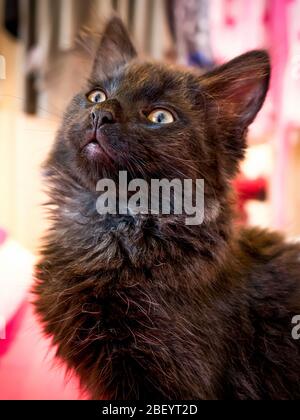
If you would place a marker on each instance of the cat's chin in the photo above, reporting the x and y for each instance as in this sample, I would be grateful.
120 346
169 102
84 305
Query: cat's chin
95 147
93 151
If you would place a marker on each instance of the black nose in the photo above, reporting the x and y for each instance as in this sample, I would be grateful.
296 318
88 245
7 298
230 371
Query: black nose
102 117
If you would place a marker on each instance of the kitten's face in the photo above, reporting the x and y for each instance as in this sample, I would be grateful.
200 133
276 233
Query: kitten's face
146 120
155 121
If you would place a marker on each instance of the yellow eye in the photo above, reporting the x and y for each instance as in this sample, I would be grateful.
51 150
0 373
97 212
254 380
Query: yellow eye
97 96
161 116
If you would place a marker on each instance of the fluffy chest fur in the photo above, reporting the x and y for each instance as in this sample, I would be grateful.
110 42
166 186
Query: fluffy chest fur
132 297
142 314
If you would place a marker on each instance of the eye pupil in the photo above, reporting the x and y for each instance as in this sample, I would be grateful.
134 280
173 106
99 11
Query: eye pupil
161 117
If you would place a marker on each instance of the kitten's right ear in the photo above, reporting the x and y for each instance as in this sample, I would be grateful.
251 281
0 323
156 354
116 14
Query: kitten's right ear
115 49
235 93
239 87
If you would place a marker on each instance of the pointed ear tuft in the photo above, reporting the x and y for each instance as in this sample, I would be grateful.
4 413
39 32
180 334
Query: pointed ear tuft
240 87
115 49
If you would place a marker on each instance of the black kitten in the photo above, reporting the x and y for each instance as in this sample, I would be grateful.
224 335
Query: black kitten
146 307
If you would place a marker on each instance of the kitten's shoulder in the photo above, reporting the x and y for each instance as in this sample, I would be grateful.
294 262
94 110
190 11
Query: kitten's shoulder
266 245
272 264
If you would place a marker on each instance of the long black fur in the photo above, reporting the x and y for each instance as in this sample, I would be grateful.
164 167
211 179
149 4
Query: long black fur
146 307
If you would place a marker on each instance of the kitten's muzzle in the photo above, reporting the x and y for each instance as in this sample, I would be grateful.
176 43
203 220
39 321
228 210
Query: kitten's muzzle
101 117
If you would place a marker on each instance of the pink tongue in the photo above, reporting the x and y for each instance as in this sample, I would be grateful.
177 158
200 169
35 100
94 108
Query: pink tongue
3 236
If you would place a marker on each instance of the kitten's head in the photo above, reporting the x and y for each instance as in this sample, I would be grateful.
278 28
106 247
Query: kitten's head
159 121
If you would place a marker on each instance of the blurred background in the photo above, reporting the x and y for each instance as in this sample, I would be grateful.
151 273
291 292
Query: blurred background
44 58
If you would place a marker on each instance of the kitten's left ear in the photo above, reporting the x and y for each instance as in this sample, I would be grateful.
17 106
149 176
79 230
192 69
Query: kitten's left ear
115 48
239 87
